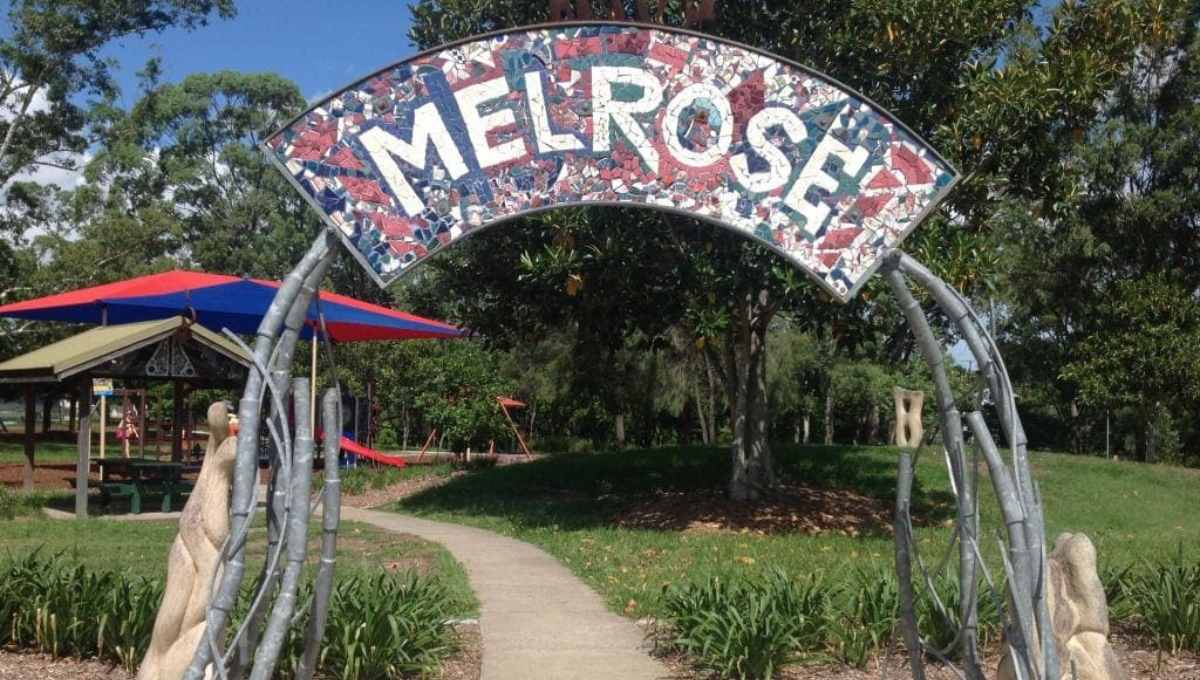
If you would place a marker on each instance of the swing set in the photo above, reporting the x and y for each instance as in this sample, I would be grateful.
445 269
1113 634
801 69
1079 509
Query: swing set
505 404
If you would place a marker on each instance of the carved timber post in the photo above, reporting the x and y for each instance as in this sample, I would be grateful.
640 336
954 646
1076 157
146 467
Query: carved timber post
910 428
194 558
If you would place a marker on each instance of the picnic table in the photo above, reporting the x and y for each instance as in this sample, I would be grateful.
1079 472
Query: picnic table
140 476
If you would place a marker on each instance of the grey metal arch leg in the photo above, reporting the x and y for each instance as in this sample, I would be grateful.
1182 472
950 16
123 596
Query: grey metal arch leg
272 353
1031 644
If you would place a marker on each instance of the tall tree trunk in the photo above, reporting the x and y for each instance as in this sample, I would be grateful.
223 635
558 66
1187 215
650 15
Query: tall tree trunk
796 432
1153 435
404 442
873 424
829 416
619 426
710 373
1077 429
807 427
753 470
701 416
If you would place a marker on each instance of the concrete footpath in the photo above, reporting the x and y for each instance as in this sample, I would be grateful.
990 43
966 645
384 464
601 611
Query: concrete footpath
537 620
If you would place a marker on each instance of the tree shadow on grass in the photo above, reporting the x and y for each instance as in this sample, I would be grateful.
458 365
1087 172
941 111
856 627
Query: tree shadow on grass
843 489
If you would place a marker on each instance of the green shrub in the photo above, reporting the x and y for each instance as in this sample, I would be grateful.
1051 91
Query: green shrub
9 503
356 481
388 626
15 504
65 610
475 463
745 629
940 628
1167 598
385 626
863 616
1118 586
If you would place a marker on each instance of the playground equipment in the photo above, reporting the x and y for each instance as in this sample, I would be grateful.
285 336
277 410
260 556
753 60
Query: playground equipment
417 168
506 403
351 446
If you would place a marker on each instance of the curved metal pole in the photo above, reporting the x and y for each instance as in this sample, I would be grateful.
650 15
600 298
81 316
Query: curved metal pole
331 506
246 467
908 615
279 505
1030 564
267 654
952 436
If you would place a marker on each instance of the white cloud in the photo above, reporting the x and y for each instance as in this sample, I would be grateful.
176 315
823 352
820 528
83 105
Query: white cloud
47 174
11 106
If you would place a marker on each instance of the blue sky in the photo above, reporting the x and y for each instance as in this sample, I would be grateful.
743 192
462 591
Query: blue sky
320 44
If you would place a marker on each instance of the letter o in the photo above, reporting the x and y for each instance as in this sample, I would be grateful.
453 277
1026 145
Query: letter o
670 125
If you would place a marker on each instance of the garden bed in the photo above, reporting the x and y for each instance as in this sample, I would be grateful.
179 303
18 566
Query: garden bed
465 664
789 508
1141 664
15 665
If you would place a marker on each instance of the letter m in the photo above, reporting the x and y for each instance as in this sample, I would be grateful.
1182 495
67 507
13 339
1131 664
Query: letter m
384 148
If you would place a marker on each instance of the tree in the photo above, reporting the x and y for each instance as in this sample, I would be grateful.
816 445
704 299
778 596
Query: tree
53 55
239 214
422 385
980 79
796 372
456 390
1124 238
1146 359
50 60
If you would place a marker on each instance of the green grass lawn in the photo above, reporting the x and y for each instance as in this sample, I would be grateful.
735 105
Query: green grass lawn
140 548
49 453
357 481
566 504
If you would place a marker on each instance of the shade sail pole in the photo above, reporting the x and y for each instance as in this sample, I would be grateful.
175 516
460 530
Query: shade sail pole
316 338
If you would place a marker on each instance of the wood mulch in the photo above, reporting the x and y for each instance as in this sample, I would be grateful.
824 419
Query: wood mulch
468 662
1140 664
21 666
792 508
464 665
50 477
1144 663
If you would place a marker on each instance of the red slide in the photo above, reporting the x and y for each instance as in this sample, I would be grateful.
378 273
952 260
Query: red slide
350 446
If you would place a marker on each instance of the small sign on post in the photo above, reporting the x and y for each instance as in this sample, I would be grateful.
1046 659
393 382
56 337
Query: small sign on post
102 387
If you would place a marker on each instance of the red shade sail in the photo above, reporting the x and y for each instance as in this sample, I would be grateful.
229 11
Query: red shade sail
219 301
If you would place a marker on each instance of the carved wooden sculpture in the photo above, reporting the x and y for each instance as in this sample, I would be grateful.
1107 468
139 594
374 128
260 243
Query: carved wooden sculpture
194 558
910 430
1079 610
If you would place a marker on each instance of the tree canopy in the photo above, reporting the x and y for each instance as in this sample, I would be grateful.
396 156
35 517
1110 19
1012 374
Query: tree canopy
1075 228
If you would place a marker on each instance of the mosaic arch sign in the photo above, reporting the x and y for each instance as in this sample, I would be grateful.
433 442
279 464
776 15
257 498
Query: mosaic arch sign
425 152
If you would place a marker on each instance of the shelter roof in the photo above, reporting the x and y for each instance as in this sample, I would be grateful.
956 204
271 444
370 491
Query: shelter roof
189 350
